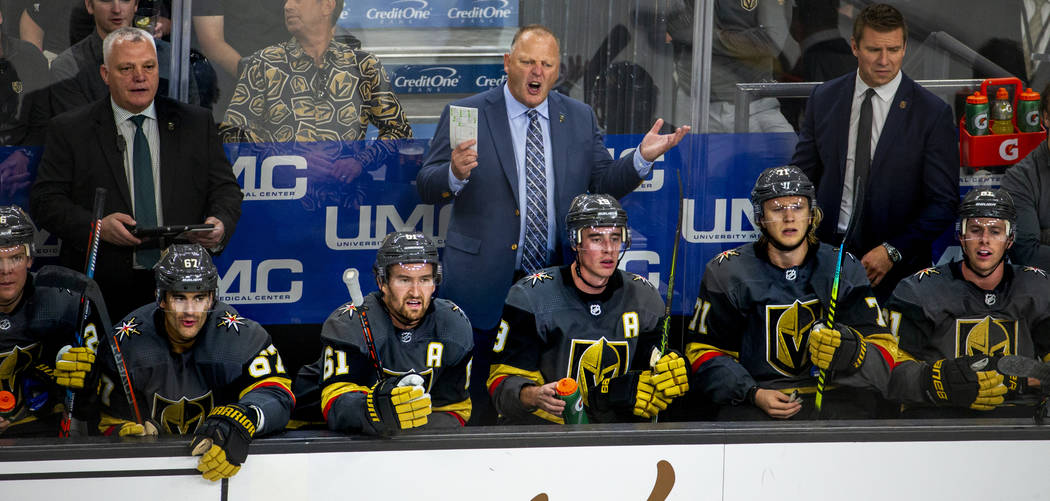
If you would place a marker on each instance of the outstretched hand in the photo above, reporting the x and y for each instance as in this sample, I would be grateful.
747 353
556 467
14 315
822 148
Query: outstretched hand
655 144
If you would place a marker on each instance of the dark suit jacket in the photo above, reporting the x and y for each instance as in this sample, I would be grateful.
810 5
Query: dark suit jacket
483 232
912 193
82 153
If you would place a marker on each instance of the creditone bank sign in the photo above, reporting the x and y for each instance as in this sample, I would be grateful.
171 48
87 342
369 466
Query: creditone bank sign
429 13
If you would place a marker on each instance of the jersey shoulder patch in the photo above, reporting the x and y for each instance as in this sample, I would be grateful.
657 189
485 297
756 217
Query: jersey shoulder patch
536 278
923 273
639 278
127 328
1032 269
726 256
347 310
231 321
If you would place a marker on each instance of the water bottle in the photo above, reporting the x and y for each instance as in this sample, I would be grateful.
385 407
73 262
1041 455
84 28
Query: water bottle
977 114
7 403
1028 111
569 391
1002 113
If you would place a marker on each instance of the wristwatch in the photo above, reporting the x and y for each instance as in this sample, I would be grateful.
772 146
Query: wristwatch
751 392
895 254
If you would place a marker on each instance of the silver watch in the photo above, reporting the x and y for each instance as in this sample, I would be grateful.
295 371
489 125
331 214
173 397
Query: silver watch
895 254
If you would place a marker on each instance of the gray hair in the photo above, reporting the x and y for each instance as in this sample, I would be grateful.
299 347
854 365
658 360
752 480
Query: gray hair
125 34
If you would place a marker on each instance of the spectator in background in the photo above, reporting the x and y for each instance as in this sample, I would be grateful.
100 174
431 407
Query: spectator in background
825 54
160 160
23 112
227 31
45 24
744 49
911 153
1028 182
75 72
313 88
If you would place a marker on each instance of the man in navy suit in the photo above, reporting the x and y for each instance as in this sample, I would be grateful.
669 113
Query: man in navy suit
491 181
911 191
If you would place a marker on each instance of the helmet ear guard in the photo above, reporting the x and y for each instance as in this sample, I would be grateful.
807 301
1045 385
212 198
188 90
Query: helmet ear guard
406 247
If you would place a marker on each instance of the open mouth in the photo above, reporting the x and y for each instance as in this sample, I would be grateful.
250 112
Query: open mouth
414 304
534 87
984 253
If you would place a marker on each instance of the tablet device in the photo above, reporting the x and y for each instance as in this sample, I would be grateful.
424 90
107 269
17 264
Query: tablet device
169 230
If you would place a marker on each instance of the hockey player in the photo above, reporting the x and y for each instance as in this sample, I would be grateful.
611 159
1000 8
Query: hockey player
196 368
401 359
747 340
962 311
38 315
588 321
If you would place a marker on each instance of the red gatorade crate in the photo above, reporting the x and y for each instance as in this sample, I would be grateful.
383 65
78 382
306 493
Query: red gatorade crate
998 149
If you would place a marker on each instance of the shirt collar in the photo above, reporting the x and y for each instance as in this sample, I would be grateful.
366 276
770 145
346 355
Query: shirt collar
335 50
120 114
885 92
516 109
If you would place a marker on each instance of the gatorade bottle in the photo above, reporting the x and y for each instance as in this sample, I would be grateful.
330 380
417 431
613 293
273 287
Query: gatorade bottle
1028 111
7 402
977 114
1002 113
569 391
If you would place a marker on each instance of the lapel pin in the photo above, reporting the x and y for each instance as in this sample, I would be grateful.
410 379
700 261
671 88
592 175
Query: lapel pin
171 125
904 104
561 117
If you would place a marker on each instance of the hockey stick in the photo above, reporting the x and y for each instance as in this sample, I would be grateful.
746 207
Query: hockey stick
353 286
664 334
854 219
1013 365
84 309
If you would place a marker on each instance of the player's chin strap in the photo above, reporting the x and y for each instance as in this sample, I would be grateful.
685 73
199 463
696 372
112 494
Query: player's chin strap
576 266
966 261
781 247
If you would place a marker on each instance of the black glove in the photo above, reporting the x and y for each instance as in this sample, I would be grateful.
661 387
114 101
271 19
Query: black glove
836 350
223 440
398 403
635 390
964 382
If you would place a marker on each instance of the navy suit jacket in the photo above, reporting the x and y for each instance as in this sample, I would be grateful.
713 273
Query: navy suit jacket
912 193
482 238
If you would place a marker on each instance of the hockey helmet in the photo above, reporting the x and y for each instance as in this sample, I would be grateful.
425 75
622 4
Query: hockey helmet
16 229
784 181
406 247
988 203
185 268
595 211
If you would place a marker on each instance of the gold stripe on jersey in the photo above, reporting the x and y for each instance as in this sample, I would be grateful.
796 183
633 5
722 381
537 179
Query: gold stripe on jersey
283 382
548 416
693 351
335 389
461 409
1046 358
500 370
889 345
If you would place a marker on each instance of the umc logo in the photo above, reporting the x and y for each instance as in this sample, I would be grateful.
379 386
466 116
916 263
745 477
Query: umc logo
734 211
489 9
258 179
241 273
371 230
401 10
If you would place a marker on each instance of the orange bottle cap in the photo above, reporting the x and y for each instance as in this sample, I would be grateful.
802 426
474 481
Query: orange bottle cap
1029 95
566 386
977 98
7 401
1002 94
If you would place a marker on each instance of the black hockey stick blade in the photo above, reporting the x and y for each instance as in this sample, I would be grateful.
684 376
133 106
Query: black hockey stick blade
1013 365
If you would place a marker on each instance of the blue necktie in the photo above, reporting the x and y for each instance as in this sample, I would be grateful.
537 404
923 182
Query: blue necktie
534 252
145 196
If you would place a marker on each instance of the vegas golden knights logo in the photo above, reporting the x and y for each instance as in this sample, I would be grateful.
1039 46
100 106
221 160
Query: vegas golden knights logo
985 336
428 376
182 416
749 5
593 361
787 335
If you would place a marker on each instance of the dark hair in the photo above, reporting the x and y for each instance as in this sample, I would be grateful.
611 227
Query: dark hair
337 11
530 28
881 18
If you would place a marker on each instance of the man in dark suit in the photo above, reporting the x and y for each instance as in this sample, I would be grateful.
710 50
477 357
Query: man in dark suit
512 187
909 164
160 161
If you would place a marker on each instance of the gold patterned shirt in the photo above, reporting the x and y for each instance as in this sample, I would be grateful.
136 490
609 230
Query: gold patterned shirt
283 96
